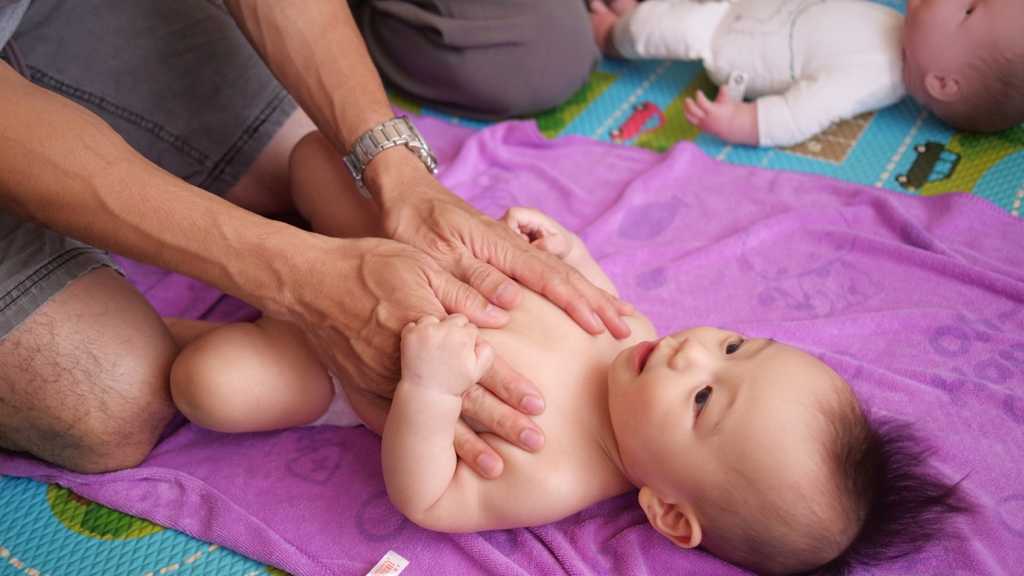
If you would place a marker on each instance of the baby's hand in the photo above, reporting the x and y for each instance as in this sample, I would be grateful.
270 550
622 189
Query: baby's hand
540 230
731 120
444 355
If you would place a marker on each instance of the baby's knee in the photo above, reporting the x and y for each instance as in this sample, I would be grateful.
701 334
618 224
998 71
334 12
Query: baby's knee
204 383
234 380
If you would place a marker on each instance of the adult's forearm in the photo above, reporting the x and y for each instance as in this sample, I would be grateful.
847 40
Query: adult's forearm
315 50
64 167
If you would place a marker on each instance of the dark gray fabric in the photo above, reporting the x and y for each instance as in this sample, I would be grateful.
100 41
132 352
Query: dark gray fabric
481 58
11 12
176 79
35 264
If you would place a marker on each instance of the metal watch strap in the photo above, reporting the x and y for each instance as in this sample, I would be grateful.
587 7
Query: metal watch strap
395 132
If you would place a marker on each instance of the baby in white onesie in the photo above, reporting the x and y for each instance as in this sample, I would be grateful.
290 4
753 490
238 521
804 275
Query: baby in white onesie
806 64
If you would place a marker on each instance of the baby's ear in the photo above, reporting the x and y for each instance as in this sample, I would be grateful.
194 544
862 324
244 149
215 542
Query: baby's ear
675 521
942 88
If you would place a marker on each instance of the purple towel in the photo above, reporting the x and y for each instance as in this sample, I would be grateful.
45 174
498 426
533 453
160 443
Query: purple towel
916 301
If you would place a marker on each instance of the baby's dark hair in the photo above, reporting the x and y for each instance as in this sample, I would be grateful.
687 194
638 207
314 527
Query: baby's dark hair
881 499
994 95
899 499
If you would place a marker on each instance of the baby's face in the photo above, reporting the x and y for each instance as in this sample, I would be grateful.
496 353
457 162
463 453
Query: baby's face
706 412
945 37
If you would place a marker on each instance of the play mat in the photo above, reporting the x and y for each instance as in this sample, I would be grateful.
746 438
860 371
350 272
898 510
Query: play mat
46 529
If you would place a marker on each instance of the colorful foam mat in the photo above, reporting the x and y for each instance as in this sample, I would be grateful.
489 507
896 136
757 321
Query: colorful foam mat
901 148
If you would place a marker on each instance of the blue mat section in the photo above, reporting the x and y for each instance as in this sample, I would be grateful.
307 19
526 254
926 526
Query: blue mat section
47 530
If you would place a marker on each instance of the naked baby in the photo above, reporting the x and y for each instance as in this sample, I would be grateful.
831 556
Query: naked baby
748 447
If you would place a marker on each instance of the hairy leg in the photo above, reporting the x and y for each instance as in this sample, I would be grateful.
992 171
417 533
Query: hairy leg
83 381
247 377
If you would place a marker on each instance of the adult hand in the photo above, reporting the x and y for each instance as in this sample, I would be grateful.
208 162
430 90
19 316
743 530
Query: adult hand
482 252
352 297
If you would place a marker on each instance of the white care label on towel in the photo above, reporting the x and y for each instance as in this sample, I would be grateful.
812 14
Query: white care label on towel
391 565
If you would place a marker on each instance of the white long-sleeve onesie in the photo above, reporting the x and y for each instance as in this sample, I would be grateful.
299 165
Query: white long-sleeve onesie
808 63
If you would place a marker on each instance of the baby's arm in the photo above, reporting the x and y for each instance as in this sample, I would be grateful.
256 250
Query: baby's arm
247 377
811 106
806 109
440 361
547 234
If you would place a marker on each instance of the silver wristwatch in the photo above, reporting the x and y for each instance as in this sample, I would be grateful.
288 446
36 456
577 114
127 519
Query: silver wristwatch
395 132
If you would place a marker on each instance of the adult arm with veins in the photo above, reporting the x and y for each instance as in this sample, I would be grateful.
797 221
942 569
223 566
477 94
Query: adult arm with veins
62 166
315 50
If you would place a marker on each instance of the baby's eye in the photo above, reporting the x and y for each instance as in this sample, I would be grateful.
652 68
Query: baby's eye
702 398
969 11
734 347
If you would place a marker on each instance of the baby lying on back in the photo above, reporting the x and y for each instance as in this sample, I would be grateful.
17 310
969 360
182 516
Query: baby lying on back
806 64
750 448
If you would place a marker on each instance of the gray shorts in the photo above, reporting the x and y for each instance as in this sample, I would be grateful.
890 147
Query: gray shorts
176 79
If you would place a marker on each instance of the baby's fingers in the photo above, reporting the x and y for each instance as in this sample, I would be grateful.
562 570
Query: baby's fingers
702 101
694 114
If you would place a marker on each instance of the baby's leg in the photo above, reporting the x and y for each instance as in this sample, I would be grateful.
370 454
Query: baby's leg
325 193
247 377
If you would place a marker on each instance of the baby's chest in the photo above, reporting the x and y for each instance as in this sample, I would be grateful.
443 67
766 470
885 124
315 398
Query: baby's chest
569 474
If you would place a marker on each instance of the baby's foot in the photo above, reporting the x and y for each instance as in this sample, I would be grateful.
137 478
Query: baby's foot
602 22
622 7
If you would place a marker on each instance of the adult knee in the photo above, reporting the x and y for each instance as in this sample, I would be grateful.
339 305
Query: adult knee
84 380
123 431
499 60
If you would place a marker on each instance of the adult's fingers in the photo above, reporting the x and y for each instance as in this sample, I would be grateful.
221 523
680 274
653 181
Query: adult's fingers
592 308
512 387
497 417
488 281
484 357
472 450
458 297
